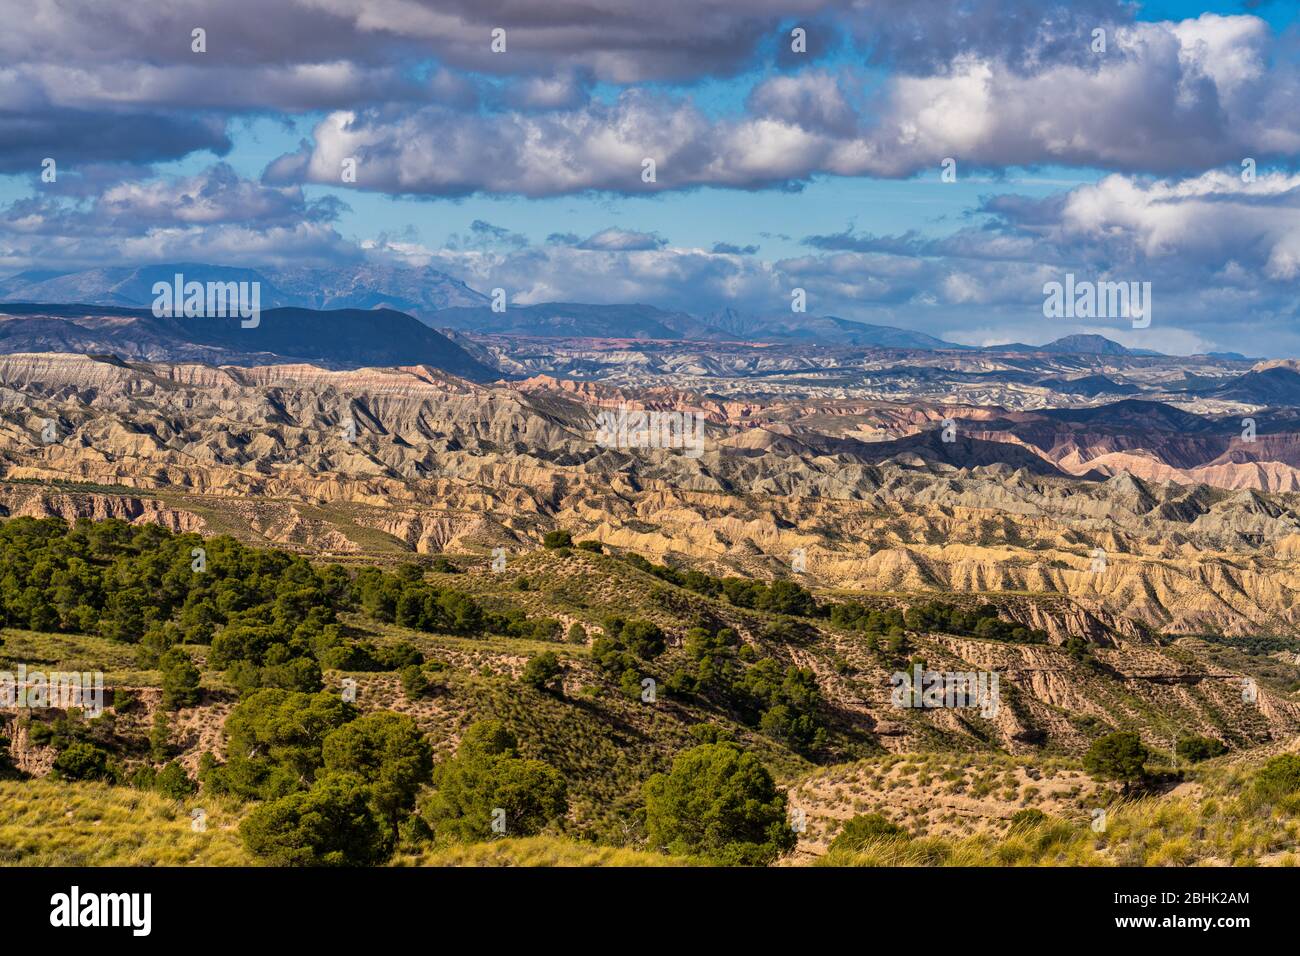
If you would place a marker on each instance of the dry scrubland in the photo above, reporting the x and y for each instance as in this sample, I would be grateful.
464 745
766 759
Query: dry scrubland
1214 821
952 781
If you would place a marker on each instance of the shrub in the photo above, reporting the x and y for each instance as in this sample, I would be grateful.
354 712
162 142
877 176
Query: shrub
487 776
180 680
542 671
1279 778
387 752
865 829
393 657
721 803
542 629
557 539
630 683
160 737
210 773
414 684
595 547
172 781
332 824
1119 756
82 761
1195 749
710 733
351 656
643 638
274 740
144 778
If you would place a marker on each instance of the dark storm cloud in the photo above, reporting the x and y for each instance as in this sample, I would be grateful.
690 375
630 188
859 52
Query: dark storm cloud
73 137
617 41
1164 98
991 83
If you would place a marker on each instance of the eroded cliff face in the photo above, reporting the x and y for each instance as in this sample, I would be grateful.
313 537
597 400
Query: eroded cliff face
48 502
382 461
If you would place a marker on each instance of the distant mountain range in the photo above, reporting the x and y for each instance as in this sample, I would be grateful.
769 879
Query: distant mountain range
440 301
578 320
811 328
337 338
418 292
1074 345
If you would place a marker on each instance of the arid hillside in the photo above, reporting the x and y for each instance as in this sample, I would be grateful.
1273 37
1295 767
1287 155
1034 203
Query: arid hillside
388 461
957 775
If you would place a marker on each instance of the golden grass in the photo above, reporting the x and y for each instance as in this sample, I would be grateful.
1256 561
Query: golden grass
536 851
53 823
74 652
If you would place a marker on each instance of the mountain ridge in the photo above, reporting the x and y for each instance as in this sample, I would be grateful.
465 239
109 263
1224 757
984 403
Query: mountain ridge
347 338
410 290
441 301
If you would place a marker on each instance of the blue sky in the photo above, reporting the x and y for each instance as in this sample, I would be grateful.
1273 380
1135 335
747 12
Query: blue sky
776 170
